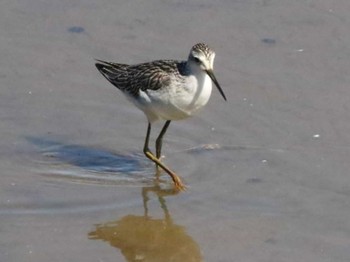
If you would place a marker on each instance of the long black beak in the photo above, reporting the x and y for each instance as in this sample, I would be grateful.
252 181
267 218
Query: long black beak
213 78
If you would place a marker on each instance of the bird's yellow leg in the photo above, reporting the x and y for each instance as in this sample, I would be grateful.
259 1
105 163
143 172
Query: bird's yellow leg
177 181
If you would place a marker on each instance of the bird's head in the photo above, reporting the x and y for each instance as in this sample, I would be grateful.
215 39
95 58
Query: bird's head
202 58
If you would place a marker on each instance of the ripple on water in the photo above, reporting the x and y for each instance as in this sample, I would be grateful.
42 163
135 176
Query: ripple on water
59 163
89 165
103 168
78 164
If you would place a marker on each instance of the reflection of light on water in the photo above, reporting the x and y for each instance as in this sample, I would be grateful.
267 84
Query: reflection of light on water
88 165
88 158
116 169
62 163
99 178
143 238
62 208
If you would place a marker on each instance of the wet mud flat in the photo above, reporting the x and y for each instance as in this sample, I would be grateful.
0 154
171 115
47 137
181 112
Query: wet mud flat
267 172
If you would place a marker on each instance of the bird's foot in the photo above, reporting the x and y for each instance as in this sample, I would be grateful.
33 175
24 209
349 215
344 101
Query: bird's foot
179 185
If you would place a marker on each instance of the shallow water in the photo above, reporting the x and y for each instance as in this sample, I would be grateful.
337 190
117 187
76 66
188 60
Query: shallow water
267 172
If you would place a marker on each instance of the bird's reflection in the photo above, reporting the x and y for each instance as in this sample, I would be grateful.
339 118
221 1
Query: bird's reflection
143 238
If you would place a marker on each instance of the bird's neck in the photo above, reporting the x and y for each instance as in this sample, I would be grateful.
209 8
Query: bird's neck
193 69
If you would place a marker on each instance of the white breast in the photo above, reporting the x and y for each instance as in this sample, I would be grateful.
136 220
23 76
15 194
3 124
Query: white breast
201 93
178 101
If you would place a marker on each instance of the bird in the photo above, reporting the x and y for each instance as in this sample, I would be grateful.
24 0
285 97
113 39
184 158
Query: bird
165 90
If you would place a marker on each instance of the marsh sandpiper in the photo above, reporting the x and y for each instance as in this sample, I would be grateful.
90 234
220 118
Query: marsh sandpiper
166 90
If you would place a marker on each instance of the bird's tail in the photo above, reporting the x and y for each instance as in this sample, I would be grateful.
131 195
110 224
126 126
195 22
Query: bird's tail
115 73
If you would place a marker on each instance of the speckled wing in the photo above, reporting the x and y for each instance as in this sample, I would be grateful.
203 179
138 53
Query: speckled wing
115 73
147 76
153 75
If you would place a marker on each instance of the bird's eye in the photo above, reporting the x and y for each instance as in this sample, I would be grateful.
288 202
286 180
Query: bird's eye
196 59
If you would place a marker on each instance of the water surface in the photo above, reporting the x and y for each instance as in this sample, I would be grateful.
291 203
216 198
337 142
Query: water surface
267 172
